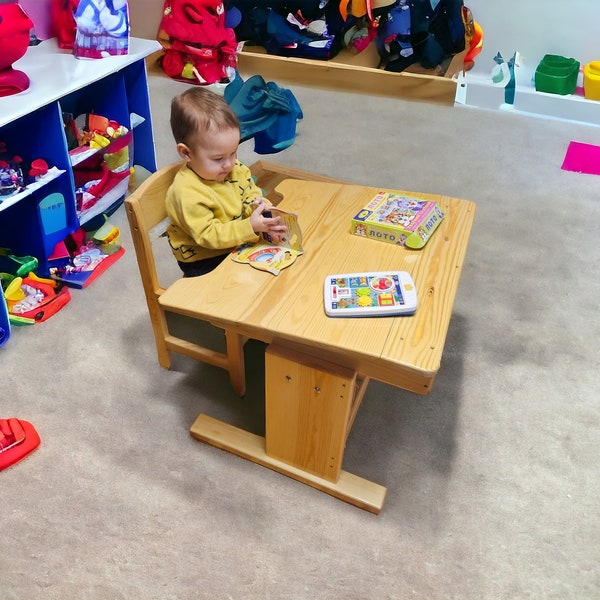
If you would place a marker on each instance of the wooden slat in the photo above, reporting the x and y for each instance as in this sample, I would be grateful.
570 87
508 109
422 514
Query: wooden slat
349 488
308 406
348 73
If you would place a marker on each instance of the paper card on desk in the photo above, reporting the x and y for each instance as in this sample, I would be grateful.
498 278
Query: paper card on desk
582 158
267 255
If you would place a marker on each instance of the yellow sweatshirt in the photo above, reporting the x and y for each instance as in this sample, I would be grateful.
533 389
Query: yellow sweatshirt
210 218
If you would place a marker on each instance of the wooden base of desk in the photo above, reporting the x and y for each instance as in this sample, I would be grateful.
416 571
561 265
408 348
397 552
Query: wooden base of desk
310 408
350 488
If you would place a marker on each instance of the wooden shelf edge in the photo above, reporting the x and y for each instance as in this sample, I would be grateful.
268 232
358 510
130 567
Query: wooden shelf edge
340 76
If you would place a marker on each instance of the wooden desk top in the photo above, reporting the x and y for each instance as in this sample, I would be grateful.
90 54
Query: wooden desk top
401 351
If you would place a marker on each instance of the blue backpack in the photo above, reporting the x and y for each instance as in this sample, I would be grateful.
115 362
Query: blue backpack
266 113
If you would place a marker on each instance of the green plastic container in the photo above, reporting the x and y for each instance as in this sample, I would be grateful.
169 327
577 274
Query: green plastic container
557 75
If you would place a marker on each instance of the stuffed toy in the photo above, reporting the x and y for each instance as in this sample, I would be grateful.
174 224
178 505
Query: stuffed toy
15 26
198 46
63 22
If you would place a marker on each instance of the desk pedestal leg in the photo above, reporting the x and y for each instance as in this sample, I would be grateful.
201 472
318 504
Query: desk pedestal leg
310 406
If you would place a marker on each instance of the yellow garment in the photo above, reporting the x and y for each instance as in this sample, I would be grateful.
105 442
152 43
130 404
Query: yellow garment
210 218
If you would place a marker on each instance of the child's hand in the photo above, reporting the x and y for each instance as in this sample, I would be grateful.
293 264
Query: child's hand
263 224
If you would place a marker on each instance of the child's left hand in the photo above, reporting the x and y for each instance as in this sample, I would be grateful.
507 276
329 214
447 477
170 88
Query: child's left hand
263 224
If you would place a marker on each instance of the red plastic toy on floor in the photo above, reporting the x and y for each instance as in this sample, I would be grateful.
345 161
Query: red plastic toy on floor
18 439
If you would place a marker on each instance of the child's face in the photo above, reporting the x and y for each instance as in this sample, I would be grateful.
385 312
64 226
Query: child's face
214 156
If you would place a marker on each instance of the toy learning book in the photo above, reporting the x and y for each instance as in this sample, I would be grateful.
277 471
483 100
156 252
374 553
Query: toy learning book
370 294
268 255
86 266
398 219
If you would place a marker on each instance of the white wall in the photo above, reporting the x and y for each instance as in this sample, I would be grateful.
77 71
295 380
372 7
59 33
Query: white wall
536 27
533 27
144 17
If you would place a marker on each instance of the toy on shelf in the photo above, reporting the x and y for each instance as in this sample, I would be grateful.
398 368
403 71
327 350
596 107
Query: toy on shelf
591 80
556 75
473 39
102 28
11 173
15 26
99 151
503 75
17 175
20 266
198 46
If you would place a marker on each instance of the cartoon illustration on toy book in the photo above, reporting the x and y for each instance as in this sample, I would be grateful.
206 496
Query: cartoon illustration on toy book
398 218
267 255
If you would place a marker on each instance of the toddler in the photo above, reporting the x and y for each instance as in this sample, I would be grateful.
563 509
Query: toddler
213 204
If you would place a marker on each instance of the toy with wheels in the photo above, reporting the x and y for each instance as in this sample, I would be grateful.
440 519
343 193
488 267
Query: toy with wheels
18 439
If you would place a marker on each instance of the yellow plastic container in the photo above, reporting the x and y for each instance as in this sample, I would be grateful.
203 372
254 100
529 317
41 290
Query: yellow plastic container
591 80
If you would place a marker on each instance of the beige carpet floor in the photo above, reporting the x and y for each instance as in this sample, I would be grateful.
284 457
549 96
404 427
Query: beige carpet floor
492 478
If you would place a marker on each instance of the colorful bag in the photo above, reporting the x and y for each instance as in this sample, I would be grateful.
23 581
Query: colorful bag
296 28
102 28
198 46
266 113
420 31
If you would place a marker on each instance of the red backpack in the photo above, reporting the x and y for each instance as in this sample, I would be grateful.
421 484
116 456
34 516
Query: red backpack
198 47
63 22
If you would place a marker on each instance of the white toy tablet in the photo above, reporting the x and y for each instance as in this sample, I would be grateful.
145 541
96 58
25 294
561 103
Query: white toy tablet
376 294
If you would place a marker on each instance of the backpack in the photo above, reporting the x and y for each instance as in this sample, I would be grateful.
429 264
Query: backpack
266 113
295 28
198 47
424 31
62 14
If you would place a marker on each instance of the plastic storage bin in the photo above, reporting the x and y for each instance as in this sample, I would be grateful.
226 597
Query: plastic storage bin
557 75
591 80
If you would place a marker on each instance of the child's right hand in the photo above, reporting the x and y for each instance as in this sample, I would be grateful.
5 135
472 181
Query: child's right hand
263 224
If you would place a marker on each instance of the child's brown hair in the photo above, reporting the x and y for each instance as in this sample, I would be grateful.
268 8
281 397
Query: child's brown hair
199 110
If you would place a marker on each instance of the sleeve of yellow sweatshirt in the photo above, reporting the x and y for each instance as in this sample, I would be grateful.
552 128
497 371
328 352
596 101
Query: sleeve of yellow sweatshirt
209 217
212 216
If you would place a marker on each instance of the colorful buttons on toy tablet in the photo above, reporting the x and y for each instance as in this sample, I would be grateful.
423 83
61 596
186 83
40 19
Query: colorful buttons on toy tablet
370 294
381 284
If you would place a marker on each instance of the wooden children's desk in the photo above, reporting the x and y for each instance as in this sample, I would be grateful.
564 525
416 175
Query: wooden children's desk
317 368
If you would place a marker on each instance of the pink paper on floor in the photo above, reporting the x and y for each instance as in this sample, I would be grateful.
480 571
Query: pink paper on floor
582 158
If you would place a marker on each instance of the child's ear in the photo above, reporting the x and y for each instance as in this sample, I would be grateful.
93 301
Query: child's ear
184 152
